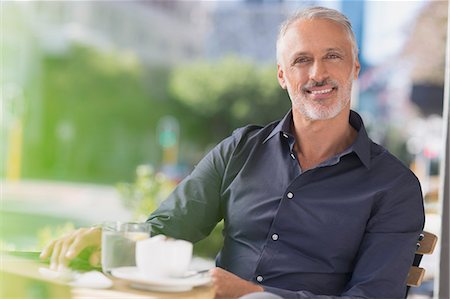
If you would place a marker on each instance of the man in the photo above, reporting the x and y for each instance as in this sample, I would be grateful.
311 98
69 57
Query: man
311 206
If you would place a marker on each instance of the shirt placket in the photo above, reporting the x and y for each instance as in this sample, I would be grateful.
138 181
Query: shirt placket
291 141
274 235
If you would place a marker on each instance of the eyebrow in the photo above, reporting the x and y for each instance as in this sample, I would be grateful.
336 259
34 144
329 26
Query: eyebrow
334 50
301 53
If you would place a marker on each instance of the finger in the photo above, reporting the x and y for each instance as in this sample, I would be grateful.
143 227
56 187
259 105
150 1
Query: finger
84 238
95 258
76 246
58 256
55 255
63 261
47 251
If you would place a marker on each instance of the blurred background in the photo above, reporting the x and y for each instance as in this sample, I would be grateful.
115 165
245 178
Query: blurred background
107 105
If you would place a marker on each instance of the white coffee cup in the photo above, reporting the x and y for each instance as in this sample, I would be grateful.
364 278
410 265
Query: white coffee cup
160 256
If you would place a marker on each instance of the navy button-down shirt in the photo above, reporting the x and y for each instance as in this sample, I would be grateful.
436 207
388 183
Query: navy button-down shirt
347 227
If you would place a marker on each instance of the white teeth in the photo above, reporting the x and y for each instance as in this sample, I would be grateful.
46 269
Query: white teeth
321 91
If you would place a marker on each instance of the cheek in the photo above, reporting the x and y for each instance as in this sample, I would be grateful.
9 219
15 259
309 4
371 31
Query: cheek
293 87
343 78
296 79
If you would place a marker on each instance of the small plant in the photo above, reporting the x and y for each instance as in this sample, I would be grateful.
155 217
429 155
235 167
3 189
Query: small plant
145 194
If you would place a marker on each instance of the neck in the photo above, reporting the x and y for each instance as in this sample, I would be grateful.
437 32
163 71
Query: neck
319 140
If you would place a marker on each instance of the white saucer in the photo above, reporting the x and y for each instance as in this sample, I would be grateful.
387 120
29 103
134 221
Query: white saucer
161 284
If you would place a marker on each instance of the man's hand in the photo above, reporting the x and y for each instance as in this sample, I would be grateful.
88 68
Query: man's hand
61 251
227 285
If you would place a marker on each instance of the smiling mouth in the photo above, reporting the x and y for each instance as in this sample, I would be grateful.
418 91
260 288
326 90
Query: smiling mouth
320 91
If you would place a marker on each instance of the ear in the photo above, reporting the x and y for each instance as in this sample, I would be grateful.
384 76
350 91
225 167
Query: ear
357 69
280 77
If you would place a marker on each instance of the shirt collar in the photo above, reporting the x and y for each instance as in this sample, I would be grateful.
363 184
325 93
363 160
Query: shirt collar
283 127
362 143
361 146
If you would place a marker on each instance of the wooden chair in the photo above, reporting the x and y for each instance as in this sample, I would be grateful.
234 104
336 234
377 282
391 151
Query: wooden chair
425 245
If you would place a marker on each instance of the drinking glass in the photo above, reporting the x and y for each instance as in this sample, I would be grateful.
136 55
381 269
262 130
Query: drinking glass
119 243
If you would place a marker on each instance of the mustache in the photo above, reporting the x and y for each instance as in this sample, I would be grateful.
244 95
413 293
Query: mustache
313 83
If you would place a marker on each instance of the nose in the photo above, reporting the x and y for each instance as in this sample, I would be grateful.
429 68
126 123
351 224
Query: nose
318 71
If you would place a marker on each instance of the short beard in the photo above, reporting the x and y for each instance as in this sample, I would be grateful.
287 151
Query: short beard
318 111
315 110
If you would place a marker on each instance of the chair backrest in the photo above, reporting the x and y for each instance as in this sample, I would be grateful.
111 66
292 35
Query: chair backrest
425 245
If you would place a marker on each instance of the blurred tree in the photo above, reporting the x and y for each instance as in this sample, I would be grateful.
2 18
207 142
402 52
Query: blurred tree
146 193
228 94
97 120
99 111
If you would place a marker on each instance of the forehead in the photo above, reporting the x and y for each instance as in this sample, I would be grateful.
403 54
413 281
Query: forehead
315 35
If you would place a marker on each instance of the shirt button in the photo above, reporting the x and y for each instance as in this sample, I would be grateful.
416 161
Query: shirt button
290 195
274 237
292 156
259 278
285 135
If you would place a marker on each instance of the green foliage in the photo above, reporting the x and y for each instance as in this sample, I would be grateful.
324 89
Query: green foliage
145 194
96 118
96 113
228 94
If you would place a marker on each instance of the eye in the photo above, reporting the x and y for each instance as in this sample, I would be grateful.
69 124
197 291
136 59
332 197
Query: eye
333 56
302 60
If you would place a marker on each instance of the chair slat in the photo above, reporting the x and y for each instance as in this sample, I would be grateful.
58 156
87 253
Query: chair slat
427 244
415 276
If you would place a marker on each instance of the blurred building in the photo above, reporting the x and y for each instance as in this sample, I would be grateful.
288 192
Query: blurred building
425 51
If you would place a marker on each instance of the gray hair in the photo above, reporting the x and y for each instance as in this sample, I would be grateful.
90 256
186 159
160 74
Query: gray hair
318 12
